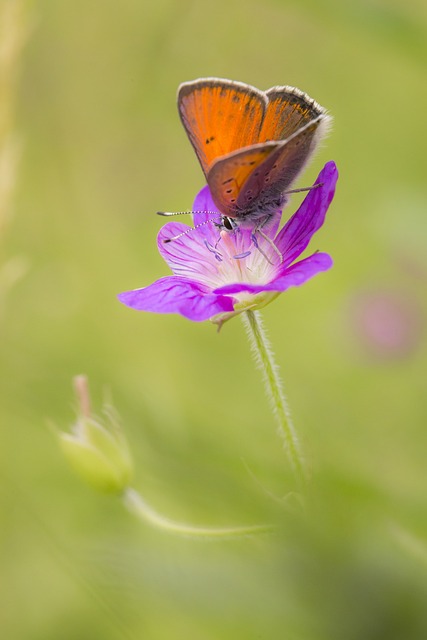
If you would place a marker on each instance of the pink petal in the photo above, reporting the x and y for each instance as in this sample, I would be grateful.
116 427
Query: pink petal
191 255
293 276
297 232
178 295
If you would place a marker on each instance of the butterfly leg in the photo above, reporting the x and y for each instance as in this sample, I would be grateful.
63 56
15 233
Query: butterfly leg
270 242
314 186
258 229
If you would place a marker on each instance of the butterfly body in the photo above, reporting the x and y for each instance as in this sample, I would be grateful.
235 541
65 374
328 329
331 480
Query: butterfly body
251 144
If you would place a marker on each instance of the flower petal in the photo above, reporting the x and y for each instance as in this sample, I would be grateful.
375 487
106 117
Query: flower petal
205 207
301 271
297 232
293 276
178 295
189 256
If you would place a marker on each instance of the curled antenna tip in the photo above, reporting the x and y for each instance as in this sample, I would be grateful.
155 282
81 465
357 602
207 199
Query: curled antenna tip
174 213
186 213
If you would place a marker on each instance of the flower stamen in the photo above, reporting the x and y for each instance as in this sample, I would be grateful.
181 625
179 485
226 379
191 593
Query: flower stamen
213 250
240 256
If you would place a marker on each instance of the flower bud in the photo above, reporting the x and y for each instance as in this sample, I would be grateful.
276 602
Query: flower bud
98 453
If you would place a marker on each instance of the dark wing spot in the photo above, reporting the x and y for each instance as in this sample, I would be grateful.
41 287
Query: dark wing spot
228 180
235 98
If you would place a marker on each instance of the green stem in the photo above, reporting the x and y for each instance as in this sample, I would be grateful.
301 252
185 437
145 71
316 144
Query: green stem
265 360
139 507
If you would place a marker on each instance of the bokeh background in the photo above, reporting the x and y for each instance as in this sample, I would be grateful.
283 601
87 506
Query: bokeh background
91 146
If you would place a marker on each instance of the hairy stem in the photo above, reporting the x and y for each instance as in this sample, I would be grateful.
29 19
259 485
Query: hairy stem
264 358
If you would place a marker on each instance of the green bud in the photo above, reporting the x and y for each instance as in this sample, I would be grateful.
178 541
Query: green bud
98 453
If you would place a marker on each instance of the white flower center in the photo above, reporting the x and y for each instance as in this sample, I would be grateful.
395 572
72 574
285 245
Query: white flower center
238 258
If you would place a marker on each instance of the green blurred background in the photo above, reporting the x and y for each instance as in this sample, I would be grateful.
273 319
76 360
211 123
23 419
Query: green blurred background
88 105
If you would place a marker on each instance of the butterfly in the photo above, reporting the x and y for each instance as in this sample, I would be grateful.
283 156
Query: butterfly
252 145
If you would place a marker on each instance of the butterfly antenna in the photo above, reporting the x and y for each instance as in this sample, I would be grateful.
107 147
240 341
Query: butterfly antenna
183 213
315 186
189 230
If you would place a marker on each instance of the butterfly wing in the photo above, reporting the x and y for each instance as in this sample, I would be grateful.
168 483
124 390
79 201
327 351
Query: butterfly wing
288 110
251 144
281 168
247 184
230 175
220 116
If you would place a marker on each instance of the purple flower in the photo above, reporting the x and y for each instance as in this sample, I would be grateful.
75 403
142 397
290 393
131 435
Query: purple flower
220 273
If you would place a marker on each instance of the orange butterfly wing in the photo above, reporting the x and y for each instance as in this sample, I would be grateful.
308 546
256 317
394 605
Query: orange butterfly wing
258 175
230 174
220 116
281 168
288 110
